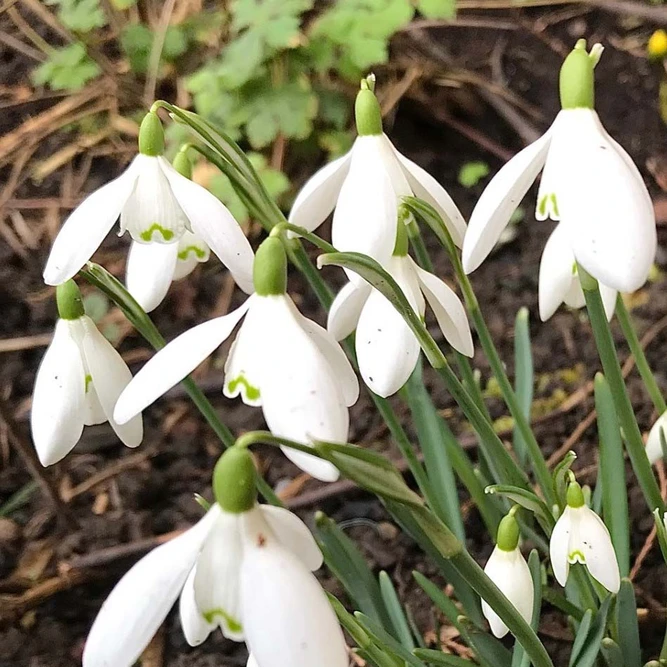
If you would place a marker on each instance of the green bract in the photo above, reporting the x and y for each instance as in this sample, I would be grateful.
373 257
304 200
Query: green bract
234 481
270 268
68 297
151 135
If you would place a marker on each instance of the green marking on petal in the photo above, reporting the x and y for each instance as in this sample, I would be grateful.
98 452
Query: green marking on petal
542 205
575 556
233 624
574 268
195 250
554 204
147 234
251 393
89 379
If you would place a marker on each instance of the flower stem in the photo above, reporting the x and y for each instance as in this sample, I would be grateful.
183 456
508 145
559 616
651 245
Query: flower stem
625 320
612 370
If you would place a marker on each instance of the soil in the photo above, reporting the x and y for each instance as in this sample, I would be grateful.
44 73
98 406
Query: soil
153 494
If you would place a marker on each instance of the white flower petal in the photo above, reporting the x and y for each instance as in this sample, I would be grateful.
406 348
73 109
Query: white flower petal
288 618
246 360
333 353
301 396
217 227
609 296
136 607
557 272
609 218
173 362
195 627
57 412
149 272
595 544
509 571
500 199
559 546
366 213
427 188
448 310
346 309
216 583
251 661
93 411
191 251
294 535
86 227
653 444
152 212
318 196
387 350
110 375
395 171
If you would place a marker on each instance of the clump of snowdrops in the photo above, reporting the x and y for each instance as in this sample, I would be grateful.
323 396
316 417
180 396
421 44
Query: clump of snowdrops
246 568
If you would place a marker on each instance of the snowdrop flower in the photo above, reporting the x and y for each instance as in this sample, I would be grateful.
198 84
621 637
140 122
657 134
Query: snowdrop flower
365 186
156 205
387 350
151 267
580 536
508 570
559 278
77 384
653 444
280 360
245 568
589 184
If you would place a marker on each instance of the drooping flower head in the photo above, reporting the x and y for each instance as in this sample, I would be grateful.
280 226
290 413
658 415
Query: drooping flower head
580 536
244 568
156 205
508 570
280 360
365 186
590 185
78 383
387 350
653 443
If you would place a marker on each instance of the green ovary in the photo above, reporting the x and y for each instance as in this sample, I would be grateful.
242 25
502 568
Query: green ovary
230 621
89 379
252 393
147 234
195 250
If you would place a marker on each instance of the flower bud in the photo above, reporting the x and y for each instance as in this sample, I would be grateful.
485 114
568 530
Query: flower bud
151 135
234 479
70 304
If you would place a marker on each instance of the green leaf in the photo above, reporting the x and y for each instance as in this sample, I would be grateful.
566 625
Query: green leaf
439 599
586 647
442 494
524 377
175 43
519 657
612 473
383 638
627 625
440 658
350 567
437 9
136 40
288 110
275 21
490 651
80 16
358 32
526 499
612 653
68 68
471 173
395 609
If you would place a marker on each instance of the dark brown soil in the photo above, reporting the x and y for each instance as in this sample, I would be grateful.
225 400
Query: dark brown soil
154 495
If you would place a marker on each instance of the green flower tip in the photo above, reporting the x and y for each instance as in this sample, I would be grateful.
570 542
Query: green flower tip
270 268
577 80
508 533
151 135
575 496
234 479
183 164
70 304
367 110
